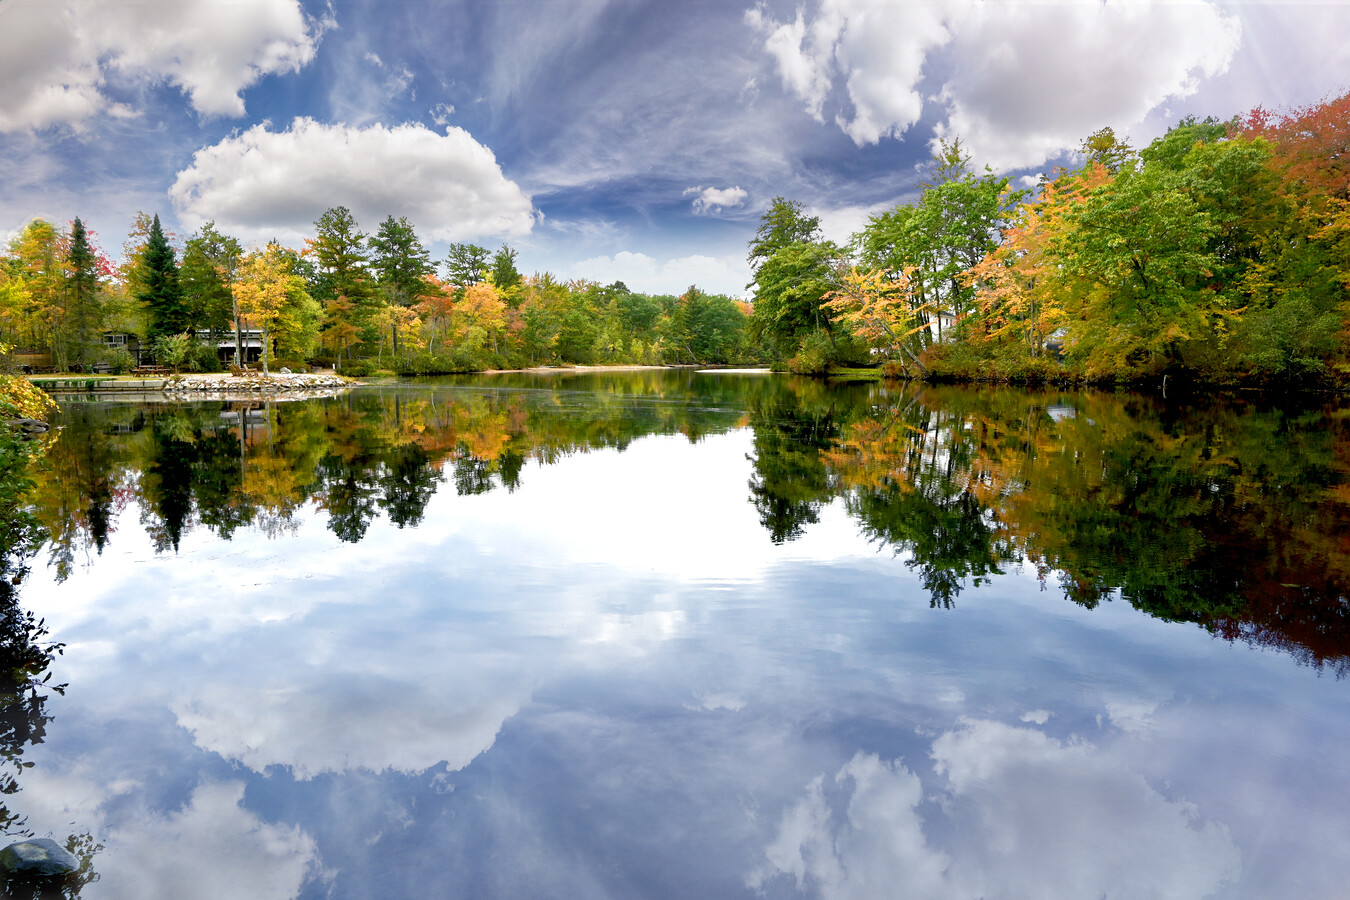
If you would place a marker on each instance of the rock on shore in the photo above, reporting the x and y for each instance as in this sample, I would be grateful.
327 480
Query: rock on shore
256 383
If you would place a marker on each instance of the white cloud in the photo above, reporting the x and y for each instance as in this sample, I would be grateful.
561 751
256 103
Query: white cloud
644 273
1030 86
441 113
1028 80
1019 804
1026 804
212 848
877 850
261 183
56 57
714 200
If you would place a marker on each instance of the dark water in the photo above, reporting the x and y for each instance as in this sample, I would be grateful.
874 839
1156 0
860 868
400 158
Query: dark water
678 635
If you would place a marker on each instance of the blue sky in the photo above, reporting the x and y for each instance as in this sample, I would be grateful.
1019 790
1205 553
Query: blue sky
632 139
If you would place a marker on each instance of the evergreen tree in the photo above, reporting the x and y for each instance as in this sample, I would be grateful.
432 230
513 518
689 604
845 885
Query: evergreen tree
400 261
342 283
160 291
505 275
402 265
466 265
78 339
209 261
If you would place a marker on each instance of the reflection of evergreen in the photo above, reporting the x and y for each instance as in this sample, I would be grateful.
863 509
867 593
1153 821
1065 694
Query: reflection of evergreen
167 488
472 476
408 483
218 478
509 466
350 491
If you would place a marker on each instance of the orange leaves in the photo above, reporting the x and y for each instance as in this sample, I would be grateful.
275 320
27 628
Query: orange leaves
881 308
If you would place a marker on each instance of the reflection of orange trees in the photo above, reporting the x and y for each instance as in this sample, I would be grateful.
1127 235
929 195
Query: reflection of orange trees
272 489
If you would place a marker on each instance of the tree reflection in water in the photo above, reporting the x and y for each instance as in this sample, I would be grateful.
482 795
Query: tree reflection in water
1228 514
25 658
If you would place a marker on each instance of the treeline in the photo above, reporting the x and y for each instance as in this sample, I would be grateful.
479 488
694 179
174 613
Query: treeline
1220 253
361 302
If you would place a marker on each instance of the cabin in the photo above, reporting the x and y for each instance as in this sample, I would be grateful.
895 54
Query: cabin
224 341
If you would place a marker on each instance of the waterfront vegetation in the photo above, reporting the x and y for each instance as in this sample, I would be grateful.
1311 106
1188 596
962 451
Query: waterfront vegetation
1220 253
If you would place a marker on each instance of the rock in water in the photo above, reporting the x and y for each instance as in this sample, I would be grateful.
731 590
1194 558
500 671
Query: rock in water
37 857
29 426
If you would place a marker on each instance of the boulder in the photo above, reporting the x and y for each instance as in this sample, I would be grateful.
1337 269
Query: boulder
29 426
37 858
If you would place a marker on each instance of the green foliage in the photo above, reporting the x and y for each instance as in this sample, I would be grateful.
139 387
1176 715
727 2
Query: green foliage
119 360
814 356
790 287
466 264
173 350
161 293
400 261
504 273
209 263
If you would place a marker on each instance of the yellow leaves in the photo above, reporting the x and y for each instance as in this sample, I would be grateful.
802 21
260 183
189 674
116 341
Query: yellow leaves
880 307
26 399
262 283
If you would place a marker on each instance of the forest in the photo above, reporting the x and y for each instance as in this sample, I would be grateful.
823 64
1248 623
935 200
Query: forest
1219 253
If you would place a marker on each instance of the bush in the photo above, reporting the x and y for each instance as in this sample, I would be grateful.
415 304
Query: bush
447 362
814 356
202 358
119 360
18 396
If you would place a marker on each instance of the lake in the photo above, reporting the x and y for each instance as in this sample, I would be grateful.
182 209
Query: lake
678 635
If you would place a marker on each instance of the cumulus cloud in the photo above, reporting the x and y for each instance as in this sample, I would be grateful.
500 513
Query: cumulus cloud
714 200
1027 80
1019 804
644 273
261 183
56 57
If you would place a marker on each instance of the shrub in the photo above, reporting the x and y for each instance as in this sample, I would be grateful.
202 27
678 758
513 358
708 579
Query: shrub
19 397
119 360
814 356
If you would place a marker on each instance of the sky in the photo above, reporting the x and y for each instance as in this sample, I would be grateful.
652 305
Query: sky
638 140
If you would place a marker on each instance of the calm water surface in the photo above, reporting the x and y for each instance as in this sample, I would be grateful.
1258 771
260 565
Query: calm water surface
692 635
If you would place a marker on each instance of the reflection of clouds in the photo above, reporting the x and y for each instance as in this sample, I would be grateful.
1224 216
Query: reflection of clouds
1029 816
212 847
1131 714
877 850
321 722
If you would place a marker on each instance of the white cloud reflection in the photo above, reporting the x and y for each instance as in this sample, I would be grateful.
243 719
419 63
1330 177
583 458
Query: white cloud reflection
1026 816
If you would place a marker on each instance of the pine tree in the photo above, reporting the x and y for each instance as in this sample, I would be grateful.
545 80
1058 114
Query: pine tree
160 291
82 319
